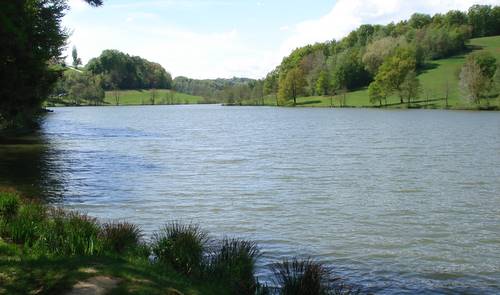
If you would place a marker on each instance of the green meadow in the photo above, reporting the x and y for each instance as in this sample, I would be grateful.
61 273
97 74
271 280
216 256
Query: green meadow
140 97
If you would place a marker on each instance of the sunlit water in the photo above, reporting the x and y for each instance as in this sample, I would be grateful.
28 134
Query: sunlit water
397 201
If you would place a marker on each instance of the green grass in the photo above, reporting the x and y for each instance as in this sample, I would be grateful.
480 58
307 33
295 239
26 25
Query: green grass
140 97
26 274
433 81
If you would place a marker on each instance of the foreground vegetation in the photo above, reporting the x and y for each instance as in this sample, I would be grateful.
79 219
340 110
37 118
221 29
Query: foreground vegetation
46 250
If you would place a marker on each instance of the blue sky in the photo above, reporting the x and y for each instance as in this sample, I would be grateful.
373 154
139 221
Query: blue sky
223 38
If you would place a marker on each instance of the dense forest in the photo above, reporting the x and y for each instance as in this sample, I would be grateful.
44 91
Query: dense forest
386 58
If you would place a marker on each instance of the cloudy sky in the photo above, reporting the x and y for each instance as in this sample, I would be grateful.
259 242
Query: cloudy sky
226 38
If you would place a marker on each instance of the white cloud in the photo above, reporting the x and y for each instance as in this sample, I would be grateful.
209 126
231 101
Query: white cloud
347 15
228 52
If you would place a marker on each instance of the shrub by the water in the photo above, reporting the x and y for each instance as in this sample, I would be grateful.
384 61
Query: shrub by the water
181 245
302 277
9 205
69 233
120 236
25 227
234 262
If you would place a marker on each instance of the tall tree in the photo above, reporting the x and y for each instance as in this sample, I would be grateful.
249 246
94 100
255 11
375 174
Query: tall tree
293 85
76 60
32 39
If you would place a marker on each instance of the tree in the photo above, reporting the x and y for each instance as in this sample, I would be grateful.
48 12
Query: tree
76 60
377 51
293 85
473 82
410 88
376 93
323 83
32 39
394 71
153 94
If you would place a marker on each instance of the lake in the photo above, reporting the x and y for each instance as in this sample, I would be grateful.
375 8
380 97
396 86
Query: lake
397 201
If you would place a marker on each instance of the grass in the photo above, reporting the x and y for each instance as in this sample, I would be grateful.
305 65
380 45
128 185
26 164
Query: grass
433 80
140 97
45 250
182 246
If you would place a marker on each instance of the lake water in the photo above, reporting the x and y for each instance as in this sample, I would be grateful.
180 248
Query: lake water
397 201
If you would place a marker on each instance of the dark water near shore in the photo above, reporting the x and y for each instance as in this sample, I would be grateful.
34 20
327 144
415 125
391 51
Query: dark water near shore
398 201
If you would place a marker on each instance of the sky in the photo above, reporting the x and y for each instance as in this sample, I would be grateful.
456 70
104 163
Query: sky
208 39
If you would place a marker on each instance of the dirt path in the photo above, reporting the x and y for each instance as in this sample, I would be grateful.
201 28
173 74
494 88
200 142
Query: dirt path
98 285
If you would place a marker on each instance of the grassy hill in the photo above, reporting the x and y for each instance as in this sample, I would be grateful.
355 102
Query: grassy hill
139 97
433 80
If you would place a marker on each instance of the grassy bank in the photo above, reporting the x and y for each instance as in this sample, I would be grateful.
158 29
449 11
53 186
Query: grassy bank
439 77
141 97
46 250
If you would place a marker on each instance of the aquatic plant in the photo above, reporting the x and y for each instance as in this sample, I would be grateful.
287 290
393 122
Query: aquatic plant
234 263
25 227
302 277
180 245
9 205
120 236
69 233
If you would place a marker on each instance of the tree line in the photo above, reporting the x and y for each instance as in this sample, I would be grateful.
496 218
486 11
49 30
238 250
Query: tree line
111 71
231 91
385 58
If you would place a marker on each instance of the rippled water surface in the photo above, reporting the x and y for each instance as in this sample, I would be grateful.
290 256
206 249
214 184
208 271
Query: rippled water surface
397 201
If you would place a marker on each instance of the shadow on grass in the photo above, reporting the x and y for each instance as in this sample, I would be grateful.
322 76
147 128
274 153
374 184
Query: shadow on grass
308 102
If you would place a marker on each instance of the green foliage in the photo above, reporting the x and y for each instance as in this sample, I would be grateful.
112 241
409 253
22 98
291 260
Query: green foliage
79 88
302 277
234 263
181 246
410 87
120 236
292 85
353 61
32 38
9 205
486 61
122 71
394 71
69 233
376 93
26 226
484 20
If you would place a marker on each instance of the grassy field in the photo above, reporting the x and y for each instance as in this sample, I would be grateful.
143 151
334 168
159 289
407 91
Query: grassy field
139 97
434 79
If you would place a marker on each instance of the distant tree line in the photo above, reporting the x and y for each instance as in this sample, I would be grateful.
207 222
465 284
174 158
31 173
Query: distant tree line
231 91
386 58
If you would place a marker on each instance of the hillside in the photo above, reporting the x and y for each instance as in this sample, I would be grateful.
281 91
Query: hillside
433 81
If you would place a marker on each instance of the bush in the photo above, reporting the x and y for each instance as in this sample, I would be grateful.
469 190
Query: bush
69 233
302 277
181 246
26 226
234 263
9 205
120 236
